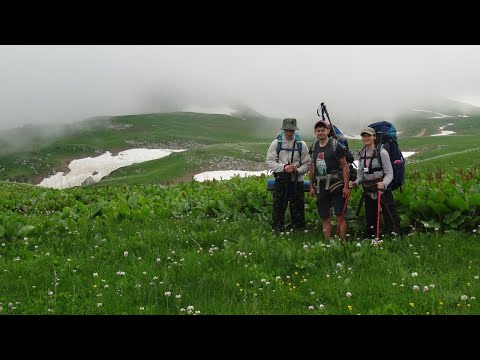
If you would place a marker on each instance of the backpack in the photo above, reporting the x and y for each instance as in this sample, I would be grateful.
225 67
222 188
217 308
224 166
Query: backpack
386 137
344 142
348 154
298 141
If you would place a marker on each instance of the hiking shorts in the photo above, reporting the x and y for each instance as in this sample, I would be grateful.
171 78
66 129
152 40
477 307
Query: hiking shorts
325 200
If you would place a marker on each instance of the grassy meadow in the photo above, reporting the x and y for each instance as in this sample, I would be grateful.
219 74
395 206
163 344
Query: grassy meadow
149 240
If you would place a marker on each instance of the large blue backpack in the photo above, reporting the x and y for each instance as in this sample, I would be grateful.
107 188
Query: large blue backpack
386 137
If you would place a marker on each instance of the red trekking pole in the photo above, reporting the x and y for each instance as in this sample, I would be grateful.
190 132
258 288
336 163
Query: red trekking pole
343 212
378 214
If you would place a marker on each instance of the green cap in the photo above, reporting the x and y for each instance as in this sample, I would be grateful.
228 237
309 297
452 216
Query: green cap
289 124
368 130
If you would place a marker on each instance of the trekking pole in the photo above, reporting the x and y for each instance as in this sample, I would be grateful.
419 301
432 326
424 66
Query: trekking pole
378 214
343 212
323 112
360 204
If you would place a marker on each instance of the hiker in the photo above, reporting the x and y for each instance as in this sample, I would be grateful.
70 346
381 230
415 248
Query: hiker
375 178
328 170
289 165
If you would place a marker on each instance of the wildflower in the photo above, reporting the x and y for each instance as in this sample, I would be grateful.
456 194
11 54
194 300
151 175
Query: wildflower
473 298
321 306
348 294
95 274
476 277
394 284
412 304
311 307
178 296
349 307
125 253
415 288
142 308
99 304
167 293
464 297
425 288
432 286
414 274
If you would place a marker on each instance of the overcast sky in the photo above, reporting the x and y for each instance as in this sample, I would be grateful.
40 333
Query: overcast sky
63 84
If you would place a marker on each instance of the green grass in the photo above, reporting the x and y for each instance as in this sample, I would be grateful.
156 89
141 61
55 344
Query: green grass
211 243
226 266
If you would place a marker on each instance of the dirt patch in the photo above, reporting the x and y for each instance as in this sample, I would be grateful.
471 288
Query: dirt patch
421 133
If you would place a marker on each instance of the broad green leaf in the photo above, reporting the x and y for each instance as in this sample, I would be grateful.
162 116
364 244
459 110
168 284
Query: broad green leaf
456 202
24 231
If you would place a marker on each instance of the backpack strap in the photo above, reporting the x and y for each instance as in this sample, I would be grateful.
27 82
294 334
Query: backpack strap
334 147
297 140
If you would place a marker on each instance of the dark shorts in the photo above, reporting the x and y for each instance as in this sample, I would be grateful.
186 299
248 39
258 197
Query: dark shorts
325 200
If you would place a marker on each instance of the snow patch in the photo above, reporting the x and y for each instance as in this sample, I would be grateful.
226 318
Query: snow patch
98 167
226 175
444 132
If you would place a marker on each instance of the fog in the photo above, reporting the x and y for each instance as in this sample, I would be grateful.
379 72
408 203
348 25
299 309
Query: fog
65 84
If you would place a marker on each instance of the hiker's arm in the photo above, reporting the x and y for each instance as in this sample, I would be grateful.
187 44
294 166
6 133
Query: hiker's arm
387 168
346 174
306 161
273 159
360 174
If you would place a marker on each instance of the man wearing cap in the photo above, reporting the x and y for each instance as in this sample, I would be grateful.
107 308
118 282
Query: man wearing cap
329 176
289 167
375 176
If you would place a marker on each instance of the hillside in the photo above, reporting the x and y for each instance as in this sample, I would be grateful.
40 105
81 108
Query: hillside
427 119
30 153
212 142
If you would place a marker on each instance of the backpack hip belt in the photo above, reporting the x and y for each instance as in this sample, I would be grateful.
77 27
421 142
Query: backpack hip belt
327 177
